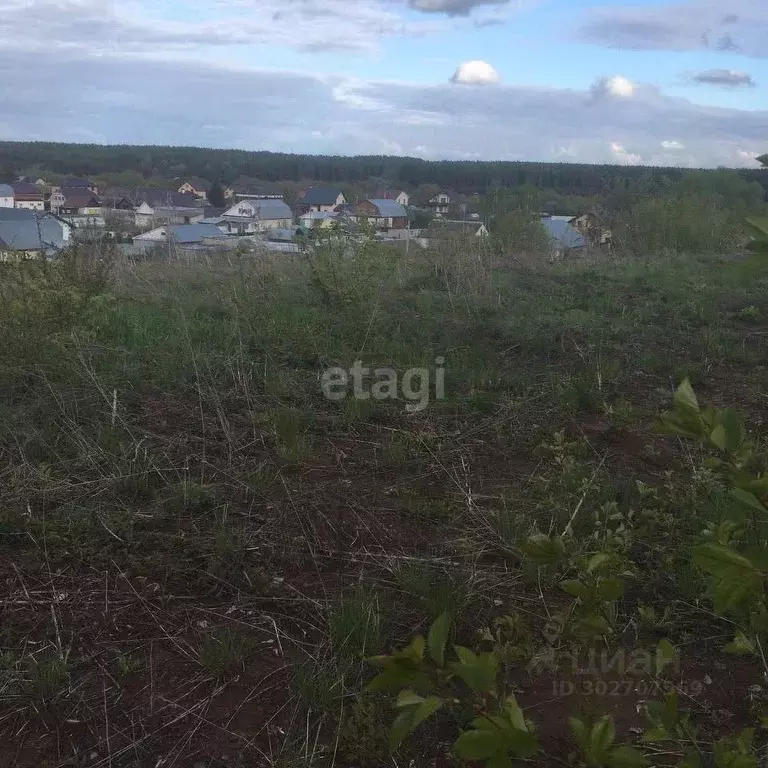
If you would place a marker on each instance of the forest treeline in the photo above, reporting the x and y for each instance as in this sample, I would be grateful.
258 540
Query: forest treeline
228 165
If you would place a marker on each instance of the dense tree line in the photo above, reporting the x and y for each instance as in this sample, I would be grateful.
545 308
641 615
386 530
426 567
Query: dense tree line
227 165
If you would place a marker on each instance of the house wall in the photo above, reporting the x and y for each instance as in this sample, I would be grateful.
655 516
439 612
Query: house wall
6 202
403 198
31 205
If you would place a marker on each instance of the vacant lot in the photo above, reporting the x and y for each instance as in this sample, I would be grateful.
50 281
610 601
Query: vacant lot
199 549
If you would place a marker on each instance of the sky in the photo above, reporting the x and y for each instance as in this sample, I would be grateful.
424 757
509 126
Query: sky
655 82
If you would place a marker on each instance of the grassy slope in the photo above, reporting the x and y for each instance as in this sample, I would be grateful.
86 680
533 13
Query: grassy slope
198 547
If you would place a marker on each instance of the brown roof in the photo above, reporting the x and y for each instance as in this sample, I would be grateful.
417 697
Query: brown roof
79 198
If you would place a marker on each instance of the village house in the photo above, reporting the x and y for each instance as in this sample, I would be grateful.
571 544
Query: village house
147 215
251 216
590 225
440 204
186 235
321 199
398 195
76 201
28 196
25 233
6 196
196 187
564 238
318 220
383 214
442 228
82 185
229 193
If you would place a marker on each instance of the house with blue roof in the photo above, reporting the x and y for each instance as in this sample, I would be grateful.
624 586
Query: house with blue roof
383 214
26 233
251 216
186 235
563 236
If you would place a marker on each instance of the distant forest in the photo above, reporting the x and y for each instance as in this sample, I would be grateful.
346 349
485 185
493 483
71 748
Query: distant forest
228 165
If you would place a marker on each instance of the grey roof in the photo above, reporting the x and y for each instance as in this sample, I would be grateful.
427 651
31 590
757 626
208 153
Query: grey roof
23 188
268 210
562 234
389 208
162 197
6 190
194 233
31 233
77 183
321 196
282 234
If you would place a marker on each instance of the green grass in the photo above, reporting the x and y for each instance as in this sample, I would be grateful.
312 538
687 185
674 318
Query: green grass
168 430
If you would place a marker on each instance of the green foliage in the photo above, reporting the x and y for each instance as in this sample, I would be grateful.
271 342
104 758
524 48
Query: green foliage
596 742
736 557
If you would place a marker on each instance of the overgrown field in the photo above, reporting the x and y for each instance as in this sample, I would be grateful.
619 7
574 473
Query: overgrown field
200 550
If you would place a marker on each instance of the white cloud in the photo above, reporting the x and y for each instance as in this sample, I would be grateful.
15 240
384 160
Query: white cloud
201 104
622 156
681 25
672 145
616 87
475 73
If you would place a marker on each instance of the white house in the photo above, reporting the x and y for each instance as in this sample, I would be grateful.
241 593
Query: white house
195 187
318 219
249 217
322 199
397 195
440 203
28 196
6 196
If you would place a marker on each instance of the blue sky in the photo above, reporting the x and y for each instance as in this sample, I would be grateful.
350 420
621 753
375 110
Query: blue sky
681 82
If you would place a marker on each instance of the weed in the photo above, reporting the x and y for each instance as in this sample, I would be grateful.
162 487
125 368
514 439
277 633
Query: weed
223 653
47 678
356 625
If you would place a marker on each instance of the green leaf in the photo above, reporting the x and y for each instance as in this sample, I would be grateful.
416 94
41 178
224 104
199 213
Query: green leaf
478 745
669 712
575 588
479 673
581 732
740 644
656 734
627 757
438 637
610 589
543 549
399 677
734 430
665 655
411 716
720 560
514 713
408 699
594 626
749 499
400 729
685 399
717 437
600 560
602 736
499 761
426 709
